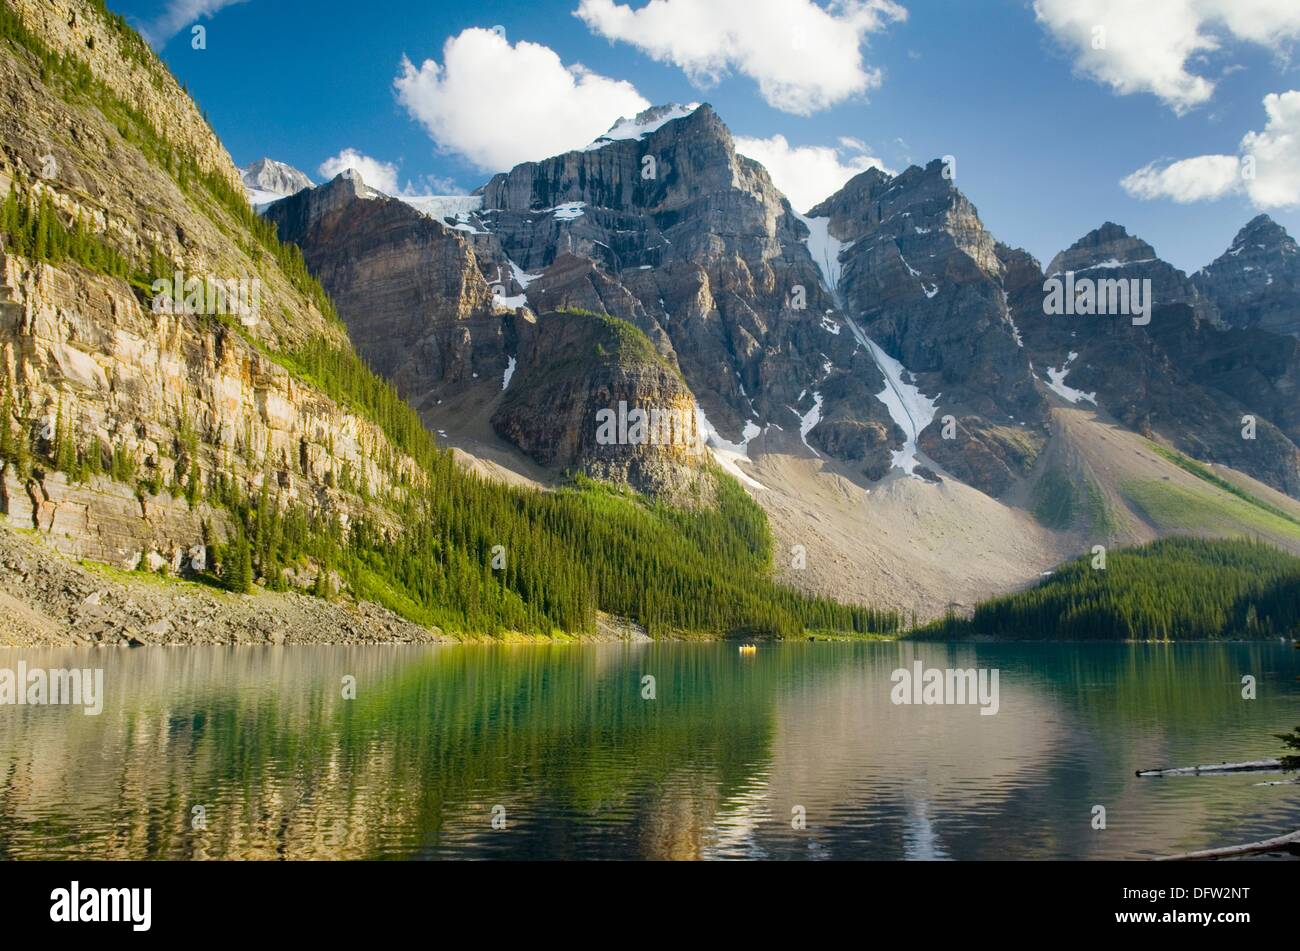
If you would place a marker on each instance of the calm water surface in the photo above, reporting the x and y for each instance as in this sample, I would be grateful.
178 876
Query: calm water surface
562 740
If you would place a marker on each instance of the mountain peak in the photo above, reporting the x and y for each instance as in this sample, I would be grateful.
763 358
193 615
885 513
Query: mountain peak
1256 282
274 179
1262 230
1111 244
646 122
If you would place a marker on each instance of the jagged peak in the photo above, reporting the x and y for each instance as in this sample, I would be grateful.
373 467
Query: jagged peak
1111 245
349 181
1262 229
1108 232
271 177
316 202
647 122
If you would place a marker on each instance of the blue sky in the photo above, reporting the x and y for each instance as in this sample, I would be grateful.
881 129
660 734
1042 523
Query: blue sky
1043 127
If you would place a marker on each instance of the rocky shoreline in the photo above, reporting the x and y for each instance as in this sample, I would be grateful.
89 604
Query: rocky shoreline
49 600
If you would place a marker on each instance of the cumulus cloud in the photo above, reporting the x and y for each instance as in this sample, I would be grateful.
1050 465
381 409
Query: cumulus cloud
1203 178
179 14
381 176
1155 46
808 173
804 57
1267 169
498 104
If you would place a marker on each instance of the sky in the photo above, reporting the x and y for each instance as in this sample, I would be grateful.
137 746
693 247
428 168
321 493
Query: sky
1179 119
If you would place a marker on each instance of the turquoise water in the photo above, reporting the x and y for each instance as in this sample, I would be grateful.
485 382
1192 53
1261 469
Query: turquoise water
563 748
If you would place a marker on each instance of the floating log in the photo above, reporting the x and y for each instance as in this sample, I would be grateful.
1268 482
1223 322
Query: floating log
1283 843
1252 766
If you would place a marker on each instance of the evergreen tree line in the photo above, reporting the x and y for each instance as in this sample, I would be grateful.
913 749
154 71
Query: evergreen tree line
451 549
1174 589
34 229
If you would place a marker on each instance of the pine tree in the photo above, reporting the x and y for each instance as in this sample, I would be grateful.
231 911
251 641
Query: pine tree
238 564
65 447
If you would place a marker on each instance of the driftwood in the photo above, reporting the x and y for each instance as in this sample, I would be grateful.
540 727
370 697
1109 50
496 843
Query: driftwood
1283 843
1252 766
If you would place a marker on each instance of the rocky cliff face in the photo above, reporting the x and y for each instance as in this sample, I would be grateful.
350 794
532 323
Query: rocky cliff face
692 243
1256 282
409 288
591 394
1183 377
660 224
119 58
84 354
175 398
415 292
922 278
1110 252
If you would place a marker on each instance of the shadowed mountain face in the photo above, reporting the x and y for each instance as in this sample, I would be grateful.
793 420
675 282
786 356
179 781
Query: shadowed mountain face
1256 282
1110 252
921 277
409 288
1192 376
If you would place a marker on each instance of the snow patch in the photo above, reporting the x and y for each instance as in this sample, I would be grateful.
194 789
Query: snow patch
510 372
522 277
908 407
1015 331
641 125
568 211
1056 383
454 211
728 454
261 199
825 249
808 421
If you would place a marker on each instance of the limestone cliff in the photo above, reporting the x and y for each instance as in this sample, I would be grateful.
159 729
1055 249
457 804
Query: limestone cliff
178 401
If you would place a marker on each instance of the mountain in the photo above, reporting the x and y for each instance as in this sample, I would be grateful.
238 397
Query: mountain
920 276
696 249
879 374
268 180
181 399
1111 252
1184 378
1256 282
669 399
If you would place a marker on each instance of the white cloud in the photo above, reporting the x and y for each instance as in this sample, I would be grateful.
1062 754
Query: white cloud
803 56
1203 178
1276 151
179 14
1155 46
498 105
808 173
1267 170
381 176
